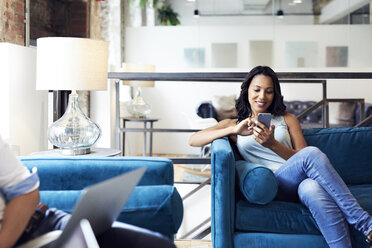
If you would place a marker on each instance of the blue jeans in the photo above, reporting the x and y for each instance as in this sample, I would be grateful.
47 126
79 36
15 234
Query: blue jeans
310 176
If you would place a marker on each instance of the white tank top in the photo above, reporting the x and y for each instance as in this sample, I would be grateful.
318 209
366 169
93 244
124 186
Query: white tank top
254 152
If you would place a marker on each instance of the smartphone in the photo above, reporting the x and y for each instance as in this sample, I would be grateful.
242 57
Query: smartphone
264 118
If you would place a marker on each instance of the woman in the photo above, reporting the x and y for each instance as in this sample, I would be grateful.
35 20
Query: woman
302 171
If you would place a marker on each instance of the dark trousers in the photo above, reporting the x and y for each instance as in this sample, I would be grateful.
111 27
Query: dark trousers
119 235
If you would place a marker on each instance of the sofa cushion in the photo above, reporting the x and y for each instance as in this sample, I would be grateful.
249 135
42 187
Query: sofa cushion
158 208
341 145
297 107
290 217
346 115
257 183
275 217
275 240
76 173
363 194
224 106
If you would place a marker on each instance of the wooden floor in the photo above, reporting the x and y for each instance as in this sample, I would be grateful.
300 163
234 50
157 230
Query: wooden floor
193 243
181 169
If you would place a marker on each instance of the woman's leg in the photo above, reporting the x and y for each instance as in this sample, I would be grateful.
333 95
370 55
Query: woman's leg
310 162
326 213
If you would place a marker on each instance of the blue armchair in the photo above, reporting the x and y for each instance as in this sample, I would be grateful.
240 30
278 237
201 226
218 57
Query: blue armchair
238 223
155 203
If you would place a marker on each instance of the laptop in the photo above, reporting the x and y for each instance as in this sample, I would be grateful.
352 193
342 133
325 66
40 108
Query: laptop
100 204
82 237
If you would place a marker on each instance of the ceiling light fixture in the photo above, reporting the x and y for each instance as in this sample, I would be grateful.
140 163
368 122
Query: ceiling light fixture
196 13
280 13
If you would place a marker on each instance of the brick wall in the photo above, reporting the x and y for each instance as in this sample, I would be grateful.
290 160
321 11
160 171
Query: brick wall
48 18
79 19
59 18
42 19
12 21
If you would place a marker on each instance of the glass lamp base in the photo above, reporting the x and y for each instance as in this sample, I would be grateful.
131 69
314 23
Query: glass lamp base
138 107
73 152
74 132
139 111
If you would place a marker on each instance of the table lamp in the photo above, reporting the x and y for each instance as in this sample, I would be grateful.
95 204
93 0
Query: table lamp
65 63
138 107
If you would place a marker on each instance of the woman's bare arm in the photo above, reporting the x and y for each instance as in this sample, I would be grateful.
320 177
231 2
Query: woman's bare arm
227 127
295 132
206 136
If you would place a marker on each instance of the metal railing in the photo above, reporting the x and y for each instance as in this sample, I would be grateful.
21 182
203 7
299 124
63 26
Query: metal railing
234 77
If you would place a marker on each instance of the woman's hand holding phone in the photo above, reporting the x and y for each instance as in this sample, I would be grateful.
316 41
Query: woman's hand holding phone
264 131
264 118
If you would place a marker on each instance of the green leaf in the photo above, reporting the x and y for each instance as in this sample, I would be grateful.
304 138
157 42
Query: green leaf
167 16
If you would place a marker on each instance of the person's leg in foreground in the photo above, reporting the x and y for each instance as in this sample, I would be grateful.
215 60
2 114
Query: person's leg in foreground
120 235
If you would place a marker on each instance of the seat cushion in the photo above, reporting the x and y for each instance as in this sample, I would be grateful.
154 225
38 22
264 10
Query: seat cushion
158 208
290 217
363 194
259 240
275 217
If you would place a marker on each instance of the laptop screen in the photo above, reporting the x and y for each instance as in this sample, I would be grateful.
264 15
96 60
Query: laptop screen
82 236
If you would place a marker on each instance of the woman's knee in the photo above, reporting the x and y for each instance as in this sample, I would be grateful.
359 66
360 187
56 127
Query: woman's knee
308 190
312 151
314 157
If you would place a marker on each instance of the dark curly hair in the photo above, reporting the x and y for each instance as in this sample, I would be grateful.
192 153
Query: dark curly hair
242 105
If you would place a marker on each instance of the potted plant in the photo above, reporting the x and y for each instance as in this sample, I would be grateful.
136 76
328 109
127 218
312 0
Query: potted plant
167 16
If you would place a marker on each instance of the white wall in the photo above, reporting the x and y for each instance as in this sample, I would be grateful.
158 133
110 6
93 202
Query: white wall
336 9
163 46
23 109
102 103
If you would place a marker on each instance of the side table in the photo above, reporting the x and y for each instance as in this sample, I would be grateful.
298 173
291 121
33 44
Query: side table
145 121
94 152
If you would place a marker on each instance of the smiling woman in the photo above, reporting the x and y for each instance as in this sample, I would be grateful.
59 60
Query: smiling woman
302 172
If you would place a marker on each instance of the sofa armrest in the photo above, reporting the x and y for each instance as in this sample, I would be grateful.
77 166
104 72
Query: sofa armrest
158 208
223 195
76 173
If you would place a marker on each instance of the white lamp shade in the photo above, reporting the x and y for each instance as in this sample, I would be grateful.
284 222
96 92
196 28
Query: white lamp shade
65 63
138 68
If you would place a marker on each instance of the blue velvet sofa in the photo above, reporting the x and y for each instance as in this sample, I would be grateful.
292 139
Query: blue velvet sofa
155 203
239 223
